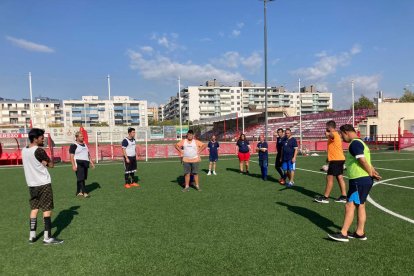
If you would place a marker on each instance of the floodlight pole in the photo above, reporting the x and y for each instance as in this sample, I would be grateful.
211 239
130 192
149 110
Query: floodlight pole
110 116
179 107
242 106
265 61
353 103
31 99
300 118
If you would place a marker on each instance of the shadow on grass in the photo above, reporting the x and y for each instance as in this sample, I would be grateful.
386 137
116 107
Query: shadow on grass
64 219
302 190
92 187
255 175
181 181
320 221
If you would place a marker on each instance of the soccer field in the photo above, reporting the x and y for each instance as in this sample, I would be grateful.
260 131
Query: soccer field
237 224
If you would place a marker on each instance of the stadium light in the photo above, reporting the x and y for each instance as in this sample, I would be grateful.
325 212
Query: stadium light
179 107
265 59
353 103
110 115
300 118
31 100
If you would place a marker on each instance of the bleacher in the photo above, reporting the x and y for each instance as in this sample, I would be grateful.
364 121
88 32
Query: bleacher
313 125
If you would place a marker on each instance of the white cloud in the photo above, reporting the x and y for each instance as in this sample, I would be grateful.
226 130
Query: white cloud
30 46
327 65
275 61
168 41
161 67
366 85
233 59
147 49
235 33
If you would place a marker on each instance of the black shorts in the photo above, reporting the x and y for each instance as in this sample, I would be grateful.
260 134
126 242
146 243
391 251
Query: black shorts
41 197
82 170
130 167
336 168
359 189
278 163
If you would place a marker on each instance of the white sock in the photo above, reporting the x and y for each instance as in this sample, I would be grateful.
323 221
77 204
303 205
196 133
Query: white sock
32 234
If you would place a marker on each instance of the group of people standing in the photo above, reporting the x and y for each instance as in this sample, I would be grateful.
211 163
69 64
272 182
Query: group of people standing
361 173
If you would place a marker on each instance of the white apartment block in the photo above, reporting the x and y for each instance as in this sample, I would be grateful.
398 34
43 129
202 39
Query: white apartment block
214 100
92 111
46 112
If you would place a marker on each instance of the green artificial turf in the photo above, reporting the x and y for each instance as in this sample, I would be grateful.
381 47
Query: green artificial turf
237 224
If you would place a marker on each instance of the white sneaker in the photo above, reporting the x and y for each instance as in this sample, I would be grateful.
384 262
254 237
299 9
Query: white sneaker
52 241
209 173
214 172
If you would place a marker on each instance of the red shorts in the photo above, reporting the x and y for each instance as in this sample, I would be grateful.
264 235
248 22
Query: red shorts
244 156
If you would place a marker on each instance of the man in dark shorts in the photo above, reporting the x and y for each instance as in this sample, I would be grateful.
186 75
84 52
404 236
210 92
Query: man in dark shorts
289 153
361 176
336 159
213 148
35 163
130 159
262 149
81 159
278 163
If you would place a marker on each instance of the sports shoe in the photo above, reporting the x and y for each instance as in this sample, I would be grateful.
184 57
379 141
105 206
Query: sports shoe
290 184
185 190
282 181
134 185
341 199
241 172
127 185
214 172
32 240
209 173
197 188
52 241
338 237
85 195
321 199
80 194
358 237
247 172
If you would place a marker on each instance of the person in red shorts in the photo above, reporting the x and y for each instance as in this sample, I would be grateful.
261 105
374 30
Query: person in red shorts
243 152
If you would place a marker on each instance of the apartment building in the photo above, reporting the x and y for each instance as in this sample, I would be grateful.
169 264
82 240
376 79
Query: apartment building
44 112
92 111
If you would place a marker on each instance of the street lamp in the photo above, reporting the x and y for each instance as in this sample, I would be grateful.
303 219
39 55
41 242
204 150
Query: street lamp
399 133
265 61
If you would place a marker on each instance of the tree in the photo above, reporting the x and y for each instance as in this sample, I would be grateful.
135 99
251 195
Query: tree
364 103
408 96
329 110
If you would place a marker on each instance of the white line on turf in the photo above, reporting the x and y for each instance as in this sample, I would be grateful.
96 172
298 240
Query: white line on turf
393 170
405 187
370 200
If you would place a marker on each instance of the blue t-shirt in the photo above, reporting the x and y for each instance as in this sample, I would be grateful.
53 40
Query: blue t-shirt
289 147
213 146
243 146
263 155
279 144
356 148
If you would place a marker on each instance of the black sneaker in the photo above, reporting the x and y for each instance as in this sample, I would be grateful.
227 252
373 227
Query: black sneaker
341 199
358 237
321 199
52 241
338 237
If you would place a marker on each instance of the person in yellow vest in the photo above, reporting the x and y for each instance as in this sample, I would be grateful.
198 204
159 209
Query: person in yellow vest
361 176
190 150
336 159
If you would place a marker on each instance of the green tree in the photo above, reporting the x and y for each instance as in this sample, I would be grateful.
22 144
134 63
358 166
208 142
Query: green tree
329 110
408 96
363 103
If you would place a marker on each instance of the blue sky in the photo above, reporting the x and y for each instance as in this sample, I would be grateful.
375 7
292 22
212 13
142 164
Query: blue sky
71 46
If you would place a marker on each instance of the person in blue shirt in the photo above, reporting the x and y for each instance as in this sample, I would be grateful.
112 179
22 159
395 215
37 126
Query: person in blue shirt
262 149
213 148
289 153
279 145
243 152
